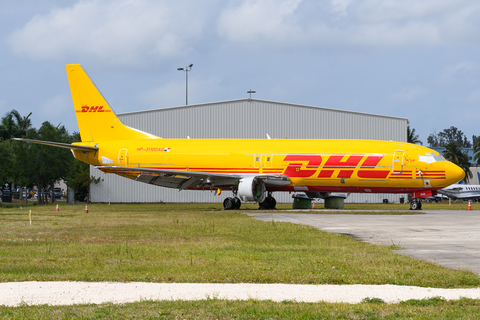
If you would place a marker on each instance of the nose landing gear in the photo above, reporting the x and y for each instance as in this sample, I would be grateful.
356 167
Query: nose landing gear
415 204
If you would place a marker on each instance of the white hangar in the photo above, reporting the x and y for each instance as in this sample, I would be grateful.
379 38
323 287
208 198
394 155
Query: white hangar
247 119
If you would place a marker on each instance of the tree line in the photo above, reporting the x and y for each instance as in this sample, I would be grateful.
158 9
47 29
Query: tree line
33 165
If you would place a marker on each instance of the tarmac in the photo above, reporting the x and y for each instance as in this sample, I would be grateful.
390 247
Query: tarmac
450 238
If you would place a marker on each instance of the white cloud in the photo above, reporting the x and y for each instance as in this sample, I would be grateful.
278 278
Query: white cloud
142 32
340 6
258 20
119 32
347 23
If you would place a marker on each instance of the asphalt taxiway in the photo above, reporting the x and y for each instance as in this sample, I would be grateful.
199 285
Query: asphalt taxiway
450 238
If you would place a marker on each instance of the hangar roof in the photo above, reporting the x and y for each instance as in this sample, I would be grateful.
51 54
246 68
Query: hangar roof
259 100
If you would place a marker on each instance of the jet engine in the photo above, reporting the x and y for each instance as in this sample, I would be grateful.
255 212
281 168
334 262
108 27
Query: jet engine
251 189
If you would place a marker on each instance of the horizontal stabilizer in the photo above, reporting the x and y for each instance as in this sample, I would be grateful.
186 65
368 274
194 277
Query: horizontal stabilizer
59 144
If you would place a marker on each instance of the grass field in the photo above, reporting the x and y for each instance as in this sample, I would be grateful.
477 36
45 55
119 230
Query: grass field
202 243
434 308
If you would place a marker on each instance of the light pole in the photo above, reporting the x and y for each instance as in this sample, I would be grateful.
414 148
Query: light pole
186 69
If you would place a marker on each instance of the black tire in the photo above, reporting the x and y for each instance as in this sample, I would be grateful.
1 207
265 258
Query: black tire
414 205
228 203
272 203
237 203
263 205
268 204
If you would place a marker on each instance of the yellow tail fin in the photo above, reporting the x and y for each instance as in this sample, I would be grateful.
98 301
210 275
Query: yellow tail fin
96 120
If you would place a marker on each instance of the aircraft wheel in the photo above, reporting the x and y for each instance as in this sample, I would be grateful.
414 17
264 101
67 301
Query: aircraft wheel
263 205
415 205
268 204
228 203
272 203
237 203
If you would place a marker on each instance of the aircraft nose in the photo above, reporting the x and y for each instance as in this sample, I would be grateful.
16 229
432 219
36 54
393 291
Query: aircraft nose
454 173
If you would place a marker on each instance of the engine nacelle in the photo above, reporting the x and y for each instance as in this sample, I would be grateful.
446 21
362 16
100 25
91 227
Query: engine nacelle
251 189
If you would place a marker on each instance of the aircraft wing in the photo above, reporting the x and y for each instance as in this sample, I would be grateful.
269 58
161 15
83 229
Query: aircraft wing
182 180
59 144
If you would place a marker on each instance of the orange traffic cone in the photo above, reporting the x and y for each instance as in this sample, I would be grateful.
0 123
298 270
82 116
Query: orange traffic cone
86 209
56 208
313 205
469 205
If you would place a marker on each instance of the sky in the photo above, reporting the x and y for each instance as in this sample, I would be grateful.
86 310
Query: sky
416 59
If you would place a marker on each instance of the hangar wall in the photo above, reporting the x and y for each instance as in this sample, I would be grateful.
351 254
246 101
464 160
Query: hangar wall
247 119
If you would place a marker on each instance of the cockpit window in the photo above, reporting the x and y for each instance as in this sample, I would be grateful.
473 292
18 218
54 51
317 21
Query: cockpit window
427 159
430 158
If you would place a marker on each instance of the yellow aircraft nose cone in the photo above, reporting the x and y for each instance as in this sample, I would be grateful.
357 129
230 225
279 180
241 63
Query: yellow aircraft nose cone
454 173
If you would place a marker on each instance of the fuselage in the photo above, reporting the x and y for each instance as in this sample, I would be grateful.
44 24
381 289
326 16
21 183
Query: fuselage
312 165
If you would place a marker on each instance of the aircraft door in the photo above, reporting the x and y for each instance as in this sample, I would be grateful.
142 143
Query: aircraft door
268 161
122 157
397 166
257 160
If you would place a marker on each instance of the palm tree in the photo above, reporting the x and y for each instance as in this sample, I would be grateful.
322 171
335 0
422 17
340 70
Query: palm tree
412 137
476 151
13 125
10 126
455 154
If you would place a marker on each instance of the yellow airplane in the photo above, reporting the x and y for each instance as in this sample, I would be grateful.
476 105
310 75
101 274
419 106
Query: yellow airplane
251 168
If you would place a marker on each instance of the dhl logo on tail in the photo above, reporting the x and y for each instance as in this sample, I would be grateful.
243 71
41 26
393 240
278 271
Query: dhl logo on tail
92 109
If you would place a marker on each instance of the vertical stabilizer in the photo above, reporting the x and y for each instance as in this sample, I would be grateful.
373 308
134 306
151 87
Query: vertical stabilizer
96 120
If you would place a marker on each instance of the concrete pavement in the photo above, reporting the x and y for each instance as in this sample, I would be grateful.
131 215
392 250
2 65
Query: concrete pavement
450 238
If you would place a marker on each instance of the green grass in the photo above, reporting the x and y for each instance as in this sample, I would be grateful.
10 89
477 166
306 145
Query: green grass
196 243
17 204
433 308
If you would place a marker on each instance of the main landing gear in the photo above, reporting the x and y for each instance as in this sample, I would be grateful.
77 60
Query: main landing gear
415 204
269 203
234 203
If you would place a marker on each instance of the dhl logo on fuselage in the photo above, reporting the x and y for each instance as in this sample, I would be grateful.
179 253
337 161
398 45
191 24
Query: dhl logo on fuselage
334 162
92 109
